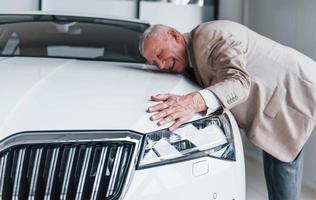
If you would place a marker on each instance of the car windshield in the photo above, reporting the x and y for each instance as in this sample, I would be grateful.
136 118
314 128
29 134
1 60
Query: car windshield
70 37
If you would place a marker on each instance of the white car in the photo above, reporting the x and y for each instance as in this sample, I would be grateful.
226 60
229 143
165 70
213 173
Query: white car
73 122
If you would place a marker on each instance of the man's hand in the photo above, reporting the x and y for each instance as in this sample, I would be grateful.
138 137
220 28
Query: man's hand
176 108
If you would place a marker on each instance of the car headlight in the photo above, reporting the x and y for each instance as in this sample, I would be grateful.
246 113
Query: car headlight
210 136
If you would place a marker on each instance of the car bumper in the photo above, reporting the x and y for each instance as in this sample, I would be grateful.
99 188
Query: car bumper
203 178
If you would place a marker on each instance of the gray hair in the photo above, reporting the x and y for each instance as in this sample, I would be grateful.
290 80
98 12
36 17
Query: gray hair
152 31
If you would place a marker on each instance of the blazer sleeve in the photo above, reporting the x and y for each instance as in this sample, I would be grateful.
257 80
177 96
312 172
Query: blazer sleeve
231 83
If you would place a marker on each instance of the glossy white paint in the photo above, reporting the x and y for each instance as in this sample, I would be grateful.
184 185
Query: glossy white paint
57 94
65 94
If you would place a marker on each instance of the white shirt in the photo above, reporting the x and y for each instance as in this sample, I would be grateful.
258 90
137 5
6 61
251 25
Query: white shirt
211 101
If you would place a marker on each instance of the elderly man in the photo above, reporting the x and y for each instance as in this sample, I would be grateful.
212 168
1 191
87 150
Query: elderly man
270 88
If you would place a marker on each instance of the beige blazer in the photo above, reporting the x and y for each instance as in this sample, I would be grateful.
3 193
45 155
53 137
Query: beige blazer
270 88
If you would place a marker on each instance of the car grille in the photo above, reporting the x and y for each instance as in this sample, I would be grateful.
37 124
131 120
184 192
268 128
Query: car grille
65 171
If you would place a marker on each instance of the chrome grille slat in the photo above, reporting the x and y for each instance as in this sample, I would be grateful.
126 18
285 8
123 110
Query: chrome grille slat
114 173
123 165
70 161
35 171
17 180
51 174
98 176
77 170
2 173
83 173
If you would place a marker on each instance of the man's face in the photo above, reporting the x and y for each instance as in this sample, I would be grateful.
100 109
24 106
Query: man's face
167 51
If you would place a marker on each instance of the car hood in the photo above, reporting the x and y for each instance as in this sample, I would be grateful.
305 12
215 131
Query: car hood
63 94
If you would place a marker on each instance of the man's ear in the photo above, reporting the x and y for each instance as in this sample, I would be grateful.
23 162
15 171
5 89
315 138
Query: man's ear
175 35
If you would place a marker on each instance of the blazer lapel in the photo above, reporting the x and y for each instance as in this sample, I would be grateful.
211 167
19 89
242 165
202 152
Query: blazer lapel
192 68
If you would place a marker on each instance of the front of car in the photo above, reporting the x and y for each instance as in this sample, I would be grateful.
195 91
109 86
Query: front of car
73 121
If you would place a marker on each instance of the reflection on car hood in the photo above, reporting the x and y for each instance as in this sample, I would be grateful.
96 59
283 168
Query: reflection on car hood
63 94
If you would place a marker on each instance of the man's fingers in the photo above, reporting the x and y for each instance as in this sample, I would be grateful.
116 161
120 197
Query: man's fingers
169 118
173 108
158 107
160 97
178 123
163 113
161 106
